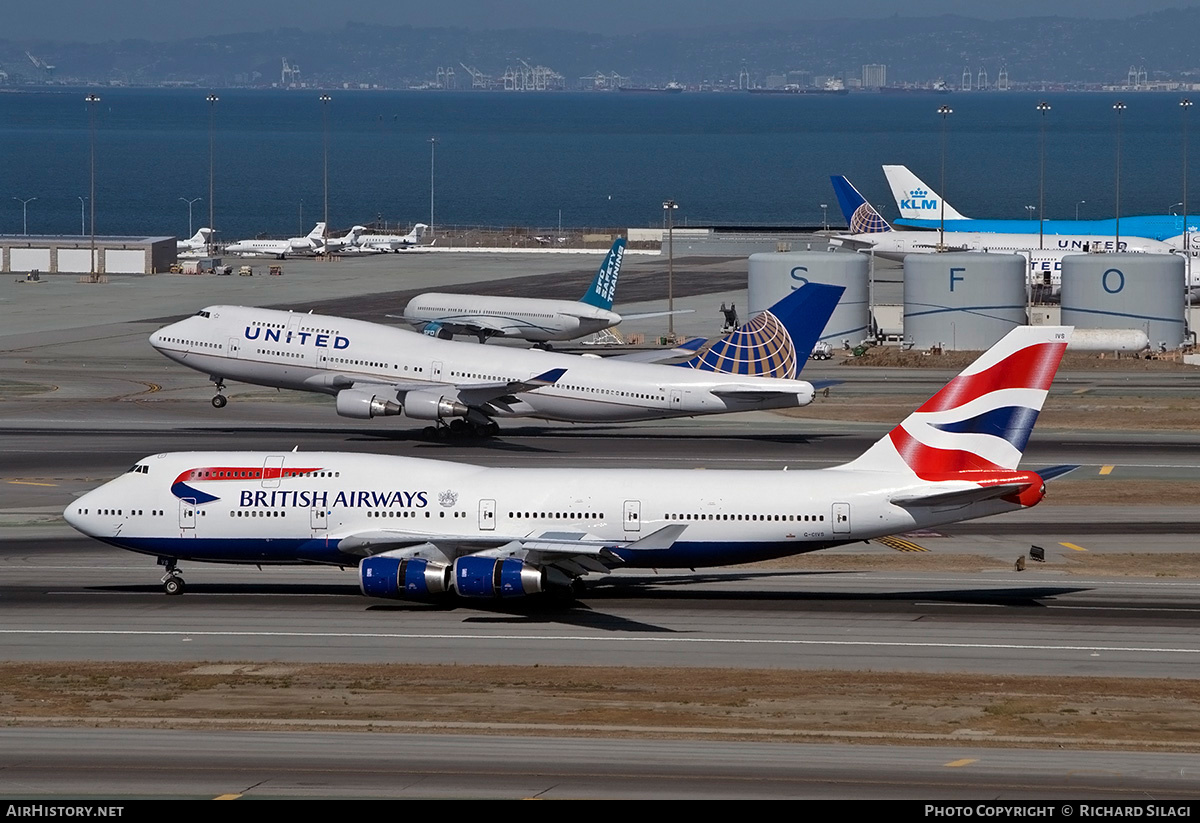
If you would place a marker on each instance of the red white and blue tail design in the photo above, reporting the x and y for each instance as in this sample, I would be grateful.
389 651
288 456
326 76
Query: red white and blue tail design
981 420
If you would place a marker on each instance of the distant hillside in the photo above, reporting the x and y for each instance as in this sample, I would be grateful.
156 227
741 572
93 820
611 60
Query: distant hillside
915 50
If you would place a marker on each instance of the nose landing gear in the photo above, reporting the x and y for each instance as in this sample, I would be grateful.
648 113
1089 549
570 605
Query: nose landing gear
219 400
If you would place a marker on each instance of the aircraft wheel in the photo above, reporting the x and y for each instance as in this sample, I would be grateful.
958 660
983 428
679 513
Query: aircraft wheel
491 428
458 427
219 401
443 334
429 433
173 585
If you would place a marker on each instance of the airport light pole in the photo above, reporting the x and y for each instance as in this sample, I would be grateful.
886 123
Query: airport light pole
1029 210
1042 107
212 100
1078 203
24 204
669 207
825 216
325 98
944 111
432 150
190 202
1119 107
92 100
82 220
1185 105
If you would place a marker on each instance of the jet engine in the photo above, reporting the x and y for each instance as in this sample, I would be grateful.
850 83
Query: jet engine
402 578
429 405
363 404
476 576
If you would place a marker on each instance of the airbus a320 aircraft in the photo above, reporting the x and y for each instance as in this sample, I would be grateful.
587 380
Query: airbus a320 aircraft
377 370
419 528
537 320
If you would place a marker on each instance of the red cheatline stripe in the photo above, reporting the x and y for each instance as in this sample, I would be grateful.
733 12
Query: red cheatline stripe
255 472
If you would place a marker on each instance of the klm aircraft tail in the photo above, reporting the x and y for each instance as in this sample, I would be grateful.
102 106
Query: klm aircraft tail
777 342
604 286
916 200
860 215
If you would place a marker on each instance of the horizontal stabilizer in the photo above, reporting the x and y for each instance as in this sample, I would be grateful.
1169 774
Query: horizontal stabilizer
646 315
1051 472
963 497
756 392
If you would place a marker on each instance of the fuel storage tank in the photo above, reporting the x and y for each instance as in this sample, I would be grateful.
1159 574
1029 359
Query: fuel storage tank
774 275
1126 291
962 301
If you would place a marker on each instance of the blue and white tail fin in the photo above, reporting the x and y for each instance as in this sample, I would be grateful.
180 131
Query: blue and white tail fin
981 420
860 215
604 286
777 342
916 200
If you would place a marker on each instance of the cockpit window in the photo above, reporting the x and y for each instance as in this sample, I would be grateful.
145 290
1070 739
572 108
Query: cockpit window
203 313
140 469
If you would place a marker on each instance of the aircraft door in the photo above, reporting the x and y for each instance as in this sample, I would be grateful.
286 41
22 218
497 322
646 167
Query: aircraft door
487 515
676 399
187 516
841 518
633 515
435 370
234 347
319 519
272 471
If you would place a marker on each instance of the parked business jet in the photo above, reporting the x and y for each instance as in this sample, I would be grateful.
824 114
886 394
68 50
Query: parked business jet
921 207
347 243
392 242
534 319
198 242
280 248
377 370
871 232
417 528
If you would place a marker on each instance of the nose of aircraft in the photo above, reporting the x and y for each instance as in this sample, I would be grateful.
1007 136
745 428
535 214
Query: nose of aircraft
74 513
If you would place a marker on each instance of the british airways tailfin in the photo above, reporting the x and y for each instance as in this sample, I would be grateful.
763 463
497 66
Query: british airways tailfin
861 216
777 342
916 200
981 420
604 285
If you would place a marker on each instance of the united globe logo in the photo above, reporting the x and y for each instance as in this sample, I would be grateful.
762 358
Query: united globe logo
762 348
866 220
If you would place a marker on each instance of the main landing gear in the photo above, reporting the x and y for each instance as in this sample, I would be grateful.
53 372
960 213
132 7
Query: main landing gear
459 429
173 580
219 400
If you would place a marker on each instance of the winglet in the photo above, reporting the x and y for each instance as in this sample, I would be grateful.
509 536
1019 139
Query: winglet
604 285
547 378
659 540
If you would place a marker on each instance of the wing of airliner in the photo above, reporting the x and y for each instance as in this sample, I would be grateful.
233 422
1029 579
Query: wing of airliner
573 553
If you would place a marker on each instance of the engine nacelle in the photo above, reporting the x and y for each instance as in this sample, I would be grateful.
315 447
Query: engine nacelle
402 578
427 405
362 404
497 577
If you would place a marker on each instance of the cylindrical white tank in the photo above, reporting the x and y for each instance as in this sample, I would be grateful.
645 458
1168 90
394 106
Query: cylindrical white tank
775 275
962 301
1114 340
1126 291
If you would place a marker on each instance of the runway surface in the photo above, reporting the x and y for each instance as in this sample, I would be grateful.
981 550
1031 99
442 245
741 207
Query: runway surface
83 397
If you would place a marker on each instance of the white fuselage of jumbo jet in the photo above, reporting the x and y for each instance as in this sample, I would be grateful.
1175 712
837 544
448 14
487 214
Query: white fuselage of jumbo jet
365 363
895 244
336 508
533 319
